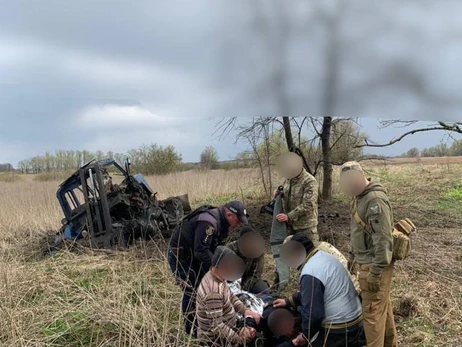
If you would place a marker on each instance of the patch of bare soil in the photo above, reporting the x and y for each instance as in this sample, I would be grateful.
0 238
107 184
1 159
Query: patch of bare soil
427 287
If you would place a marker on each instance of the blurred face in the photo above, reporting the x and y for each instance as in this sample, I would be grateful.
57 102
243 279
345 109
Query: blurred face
231 268
289 165
352 183
293 254
251 245
232 220
286 323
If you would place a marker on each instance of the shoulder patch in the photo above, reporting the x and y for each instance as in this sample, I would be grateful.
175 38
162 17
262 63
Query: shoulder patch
209 230
374 208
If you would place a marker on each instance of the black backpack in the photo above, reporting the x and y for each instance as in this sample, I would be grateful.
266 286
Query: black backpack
197 211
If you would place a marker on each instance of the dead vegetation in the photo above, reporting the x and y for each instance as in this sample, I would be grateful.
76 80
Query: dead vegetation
94 298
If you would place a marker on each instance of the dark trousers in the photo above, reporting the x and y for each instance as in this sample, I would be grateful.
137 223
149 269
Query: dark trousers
348 337
262 290
188 275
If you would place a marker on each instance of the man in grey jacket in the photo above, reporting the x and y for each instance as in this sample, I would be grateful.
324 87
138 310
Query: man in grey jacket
327 299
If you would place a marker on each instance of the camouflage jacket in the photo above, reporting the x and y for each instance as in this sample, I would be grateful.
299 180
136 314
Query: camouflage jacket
253 268
374 209
300 201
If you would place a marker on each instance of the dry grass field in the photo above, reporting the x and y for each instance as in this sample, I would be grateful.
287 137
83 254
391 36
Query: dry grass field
129 299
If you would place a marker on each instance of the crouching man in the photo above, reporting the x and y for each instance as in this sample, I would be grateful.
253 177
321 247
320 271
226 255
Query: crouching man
217 307
327 300
250 247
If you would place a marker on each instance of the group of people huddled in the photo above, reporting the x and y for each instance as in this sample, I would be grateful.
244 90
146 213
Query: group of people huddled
336 303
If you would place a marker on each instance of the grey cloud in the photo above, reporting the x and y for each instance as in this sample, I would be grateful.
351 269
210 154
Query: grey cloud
201 59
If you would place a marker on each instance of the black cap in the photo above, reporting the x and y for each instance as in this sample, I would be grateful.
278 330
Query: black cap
304 240
238 208
220 253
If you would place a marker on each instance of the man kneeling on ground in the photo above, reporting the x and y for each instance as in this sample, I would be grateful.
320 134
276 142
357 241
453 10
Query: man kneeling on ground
217 306
250 247
328 301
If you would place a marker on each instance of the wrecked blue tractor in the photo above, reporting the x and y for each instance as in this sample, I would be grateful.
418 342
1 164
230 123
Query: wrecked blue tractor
103 214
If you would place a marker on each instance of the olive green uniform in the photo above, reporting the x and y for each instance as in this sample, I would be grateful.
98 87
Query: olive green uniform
253 268
300 202
373 253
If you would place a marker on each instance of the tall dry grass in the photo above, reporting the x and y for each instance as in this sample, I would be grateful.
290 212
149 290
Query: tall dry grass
129 298
122 299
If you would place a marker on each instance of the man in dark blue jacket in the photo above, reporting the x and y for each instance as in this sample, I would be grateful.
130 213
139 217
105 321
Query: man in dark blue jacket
192 245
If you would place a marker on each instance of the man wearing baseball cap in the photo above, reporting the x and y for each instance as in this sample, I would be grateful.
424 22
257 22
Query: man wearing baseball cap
372 248
192 245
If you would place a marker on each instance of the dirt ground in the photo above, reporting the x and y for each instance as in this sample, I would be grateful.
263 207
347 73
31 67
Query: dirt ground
427 287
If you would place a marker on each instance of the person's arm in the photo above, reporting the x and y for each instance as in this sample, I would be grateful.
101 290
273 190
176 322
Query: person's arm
380 221
312 305
309 200
212 307
203 235
238 304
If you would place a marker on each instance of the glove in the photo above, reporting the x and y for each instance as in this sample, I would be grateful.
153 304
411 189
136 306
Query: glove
373 282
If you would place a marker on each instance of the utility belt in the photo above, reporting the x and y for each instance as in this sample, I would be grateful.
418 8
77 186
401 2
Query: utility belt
346 325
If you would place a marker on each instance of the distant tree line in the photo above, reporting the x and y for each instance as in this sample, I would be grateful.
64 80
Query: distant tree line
149 159
440 150
7 167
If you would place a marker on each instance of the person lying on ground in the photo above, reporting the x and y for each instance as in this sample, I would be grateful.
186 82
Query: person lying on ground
250 247
327 299
217 306
280 326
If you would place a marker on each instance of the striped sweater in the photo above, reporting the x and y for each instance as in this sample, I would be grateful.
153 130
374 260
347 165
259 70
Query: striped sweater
216 308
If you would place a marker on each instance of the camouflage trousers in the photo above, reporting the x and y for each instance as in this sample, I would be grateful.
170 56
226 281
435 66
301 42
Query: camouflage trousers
312 233
379 323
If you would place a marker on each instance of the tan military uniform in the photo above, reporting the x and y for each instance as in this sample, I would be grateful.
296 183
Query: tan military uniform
374 255
328 248
300 202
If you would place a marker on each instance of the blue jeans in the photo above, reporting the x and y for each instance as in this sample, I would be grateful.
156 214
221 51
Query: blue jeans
188 275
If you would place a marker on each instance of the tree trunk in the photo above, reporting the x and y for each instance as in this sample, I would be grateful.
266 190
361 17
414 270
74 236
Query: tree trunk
326 157
330 96
288 133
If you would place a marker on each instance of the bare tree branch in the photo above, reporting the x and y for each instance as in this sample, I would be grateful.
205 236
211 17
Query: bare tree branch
443 127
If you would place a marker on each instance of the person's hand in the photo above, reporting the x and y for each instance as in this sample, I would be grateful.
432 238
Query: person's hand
299 341
254 315
275 193
282 218
279 303
373 282
247 334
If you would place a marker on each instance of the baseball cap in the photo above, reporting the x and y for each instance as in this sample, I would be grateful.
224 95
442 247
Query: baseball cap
238 208
351 165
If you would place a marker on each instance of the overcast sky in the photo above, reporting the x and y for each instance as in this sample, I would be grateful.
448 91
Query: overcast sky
114 75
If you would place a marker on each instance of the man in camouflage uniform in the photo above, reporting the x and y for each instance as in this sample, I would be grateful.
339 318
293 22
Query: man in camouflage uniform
300 197
373 252
250 248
